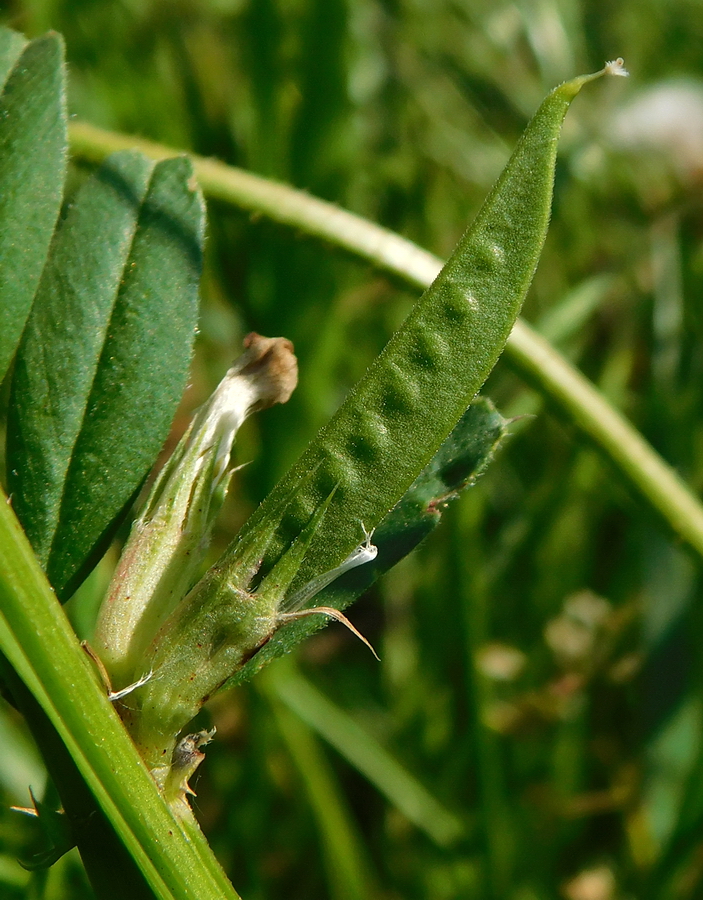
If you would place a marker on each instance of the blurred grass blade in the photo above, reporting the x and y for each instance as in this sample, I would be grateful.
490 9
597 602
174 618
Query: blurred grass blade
13 878
348 869
33 151
323 92
38 641
103 361
363 751
460 460
567 318
20 764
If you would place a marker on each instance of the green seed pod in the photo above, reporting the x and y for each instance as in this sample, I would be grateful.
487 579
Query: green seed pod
396 417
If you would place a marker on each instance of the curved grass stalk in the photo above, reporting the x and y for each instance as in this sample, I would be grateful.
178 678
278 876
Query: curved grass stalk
527 352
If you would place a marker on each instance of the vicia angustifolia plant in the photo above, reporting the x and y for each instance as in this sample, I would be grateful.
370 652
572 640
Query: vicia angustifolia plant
98 314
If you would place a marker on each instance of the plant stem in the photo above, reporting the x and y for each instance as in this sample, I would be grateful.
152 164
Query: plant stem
38 641
527 352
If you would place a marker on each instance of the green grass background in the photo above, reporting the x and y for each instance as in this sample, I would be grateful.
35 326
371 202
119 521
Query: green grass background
586 754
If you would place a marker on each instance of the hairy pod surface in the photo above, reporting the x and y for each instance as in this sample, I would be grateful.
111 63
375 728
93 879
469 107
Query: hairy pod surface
397 416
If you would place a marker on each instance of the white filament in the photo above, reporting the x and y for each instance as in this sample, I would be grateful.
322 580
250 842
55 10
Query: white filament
364 553
118 695
616 67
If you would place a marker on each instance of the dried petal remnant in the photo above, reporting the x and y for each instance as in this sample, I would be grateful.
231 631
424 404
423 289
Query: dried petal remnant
272 363
169 538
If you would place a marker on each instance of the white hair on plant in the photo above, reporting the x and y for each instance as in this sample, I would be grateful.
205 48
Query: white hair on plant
364 553
140 682
112 696
616 67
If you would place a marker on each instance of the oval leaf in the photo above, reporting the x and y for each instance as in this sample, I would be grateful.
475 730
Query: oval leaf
104 358
33 149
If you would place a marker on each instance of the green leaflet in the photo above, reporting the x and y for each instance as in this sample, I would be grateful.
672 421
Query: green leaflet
103 361
394 420
33 148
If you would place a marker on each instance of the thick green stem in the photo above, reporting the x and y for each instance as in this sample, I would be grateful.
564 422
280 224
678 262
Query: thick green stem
526 351
38 641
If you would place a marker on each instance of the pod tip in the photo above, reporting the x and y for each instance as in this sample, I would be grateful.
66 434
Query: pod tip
616 67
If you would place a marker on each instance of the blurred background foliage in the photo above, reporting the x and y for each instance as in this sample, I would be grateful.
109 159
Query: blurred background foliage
535 727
